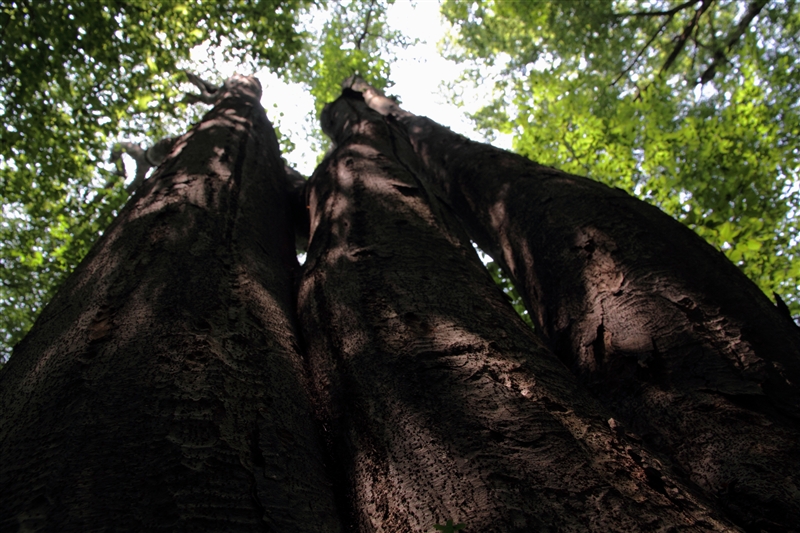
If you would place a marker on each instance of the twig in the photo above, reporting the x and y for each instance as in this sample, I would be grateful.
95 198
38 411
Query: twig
668 12
208 91
684 36
645 47
572 151
145 158
366 25
720 55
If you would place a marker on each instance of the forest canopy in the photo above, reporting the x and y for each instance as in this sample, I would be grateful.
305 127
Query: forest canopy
689 105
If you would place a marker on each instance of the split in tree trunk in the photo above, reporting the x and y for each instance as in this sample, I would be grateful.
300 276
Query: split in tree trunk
671 336
162 387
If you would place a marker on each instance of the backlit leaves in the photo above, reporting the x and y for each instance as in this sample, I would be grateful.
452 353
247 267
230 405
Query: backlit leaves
75 77
614 90
354 39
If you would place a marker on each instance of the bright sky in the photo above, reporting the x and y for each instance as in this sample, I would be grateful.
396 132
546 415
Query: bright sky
418 72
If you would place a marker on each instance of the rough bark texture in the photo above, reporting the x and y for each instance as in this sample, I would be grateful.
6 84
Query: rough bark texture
671 336
162 388
438 402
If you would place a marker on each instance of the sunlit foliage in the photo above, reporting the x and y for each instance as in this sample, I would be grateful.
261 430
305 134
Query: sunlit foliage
75 77
691 105
353 37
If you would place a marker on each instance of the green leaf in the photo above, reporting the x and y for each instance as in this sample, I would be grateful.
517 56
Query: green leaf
449 527
93 74
581 87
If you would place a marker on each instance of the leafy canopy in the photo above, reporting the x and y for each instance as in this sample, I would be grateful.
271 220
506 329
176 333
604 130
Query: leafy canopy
691 105
79 77
76 76
353 38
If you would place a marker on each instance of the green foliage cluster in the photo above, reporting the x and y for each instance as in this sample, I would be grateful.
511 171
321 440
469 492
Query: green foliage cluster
506 285
449 527
75 77
353 38
691 105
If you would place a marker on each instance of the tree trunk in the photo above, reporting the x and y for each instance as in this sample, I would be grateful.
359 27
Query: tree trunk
162 387
665 331
438 402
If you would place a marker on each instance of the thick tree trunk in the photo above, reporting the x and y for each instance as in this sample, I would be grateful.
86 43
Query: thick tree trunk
162 388
671 336
437 400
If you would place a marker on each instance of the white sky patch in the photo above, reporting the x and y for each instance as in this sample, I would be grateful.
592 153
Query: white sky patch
419 73
288 106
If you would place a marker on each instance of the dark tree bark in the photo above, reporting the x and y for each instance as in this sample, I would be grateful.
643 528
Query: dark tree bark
438 402
162 388
670 335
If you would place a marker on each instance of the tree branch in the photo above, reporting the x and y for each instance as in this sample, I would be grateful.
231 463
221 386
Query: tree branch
208 91
645 47
668 12
145 158
684 36
721 54
153 156
374 98
366 25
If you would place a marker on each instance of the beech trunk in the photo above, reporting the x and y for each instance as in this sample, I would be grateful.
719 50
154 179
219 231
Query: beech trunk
162 388
682 348
438 401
